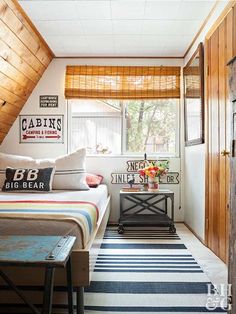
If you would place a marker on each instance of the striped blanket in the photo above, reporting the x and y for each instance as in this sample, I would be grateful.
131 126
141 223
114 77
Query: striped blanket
84 214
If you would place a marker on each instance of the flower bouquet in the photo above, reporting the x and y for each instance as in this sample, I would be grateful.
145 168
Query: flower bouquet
153 171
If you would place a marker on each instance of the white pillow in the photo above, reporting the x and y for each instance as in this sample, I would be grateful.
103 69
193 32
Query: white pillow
44 163
70 172
13 161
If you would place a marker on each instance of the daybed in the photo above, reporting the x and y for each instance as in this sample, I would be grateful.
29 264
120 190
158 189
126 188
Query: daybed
17 216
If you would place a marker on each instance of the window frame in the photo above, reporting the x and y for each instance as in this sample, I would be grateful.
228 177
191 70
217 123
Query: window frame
123 135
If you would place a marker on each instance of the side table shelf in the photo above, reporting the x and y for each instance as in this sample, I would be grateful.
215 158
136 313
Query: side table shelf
134 204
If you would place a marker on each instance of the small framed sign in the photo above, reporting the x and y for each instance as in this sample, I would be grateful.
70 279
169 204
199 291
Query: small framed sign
41 128
48 101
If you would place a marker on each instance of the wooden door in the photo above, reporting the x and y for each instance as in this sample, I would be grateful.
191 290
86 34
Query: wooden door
232 227
218 53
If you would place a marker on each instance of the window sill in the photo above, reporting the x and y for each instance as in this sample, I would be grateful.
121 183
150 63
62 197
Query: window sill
128 156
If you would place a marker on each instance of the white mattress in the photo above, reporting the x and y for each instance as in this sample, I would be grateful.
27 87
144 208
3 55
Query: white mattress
97 196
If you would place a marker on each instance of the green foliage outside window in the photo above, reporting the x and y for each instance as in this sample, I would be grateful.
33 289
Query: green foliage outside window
151 126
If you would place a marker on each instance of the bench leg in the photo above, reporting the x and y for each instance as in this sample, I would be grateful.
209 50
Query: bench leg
48 290
18 292
69 287
80 300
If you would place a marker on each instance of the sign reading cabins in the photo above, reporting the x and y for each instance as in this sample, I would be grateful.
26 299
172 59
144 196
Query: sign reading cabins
132 173
41 129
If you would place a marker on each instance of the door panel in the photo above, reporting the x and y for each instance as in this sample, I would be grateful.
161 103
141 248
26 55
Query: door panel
222 142
219 47
213 143
229 55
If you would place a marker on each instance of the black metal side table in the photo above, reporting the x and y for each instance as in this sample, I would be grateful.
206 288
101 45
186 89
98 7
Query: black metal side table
143 209
39 251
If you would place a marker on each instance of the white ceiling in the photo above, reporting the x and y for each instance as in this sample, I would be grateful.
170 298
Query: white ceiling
118 27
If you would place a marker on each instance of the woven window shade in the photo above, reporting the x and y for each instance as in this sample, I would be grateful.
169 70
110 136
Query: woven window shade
192 82
118 82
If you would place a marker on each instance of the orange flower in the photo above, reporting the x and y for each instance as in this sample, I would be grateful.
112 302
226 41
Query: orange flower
155 169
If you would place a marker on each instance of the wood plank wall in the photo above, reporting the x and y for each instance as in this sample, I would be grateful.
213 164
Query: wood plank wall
24 56
220 47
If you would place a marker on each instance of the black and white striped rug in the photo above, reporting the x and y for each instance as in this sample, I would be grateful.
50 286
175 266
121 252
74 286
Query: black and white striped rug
146 271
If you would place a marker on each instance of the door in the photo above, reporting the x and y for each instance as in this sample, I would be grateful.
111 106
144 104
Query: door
232 231
218 53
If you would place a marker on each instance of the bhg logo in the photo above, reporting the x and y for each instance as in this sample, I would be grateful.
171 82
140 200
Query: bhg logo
219 296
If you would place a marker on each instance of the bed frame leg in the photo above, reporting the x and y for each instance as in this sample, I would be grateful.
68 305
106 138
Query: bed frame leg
80 300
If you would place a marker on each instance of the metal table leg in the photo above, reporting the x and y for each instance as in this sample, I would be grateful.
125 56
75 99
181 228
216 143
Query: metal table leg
48 290
80 300
166 205
172 227
69 287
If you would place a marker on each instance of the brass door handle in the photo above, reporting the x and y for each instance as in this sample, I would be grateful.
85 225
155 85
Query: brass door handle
225 153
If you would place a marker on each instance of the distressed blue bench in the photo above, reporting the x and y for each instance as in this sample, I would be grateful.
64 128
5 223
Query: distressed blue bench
44 251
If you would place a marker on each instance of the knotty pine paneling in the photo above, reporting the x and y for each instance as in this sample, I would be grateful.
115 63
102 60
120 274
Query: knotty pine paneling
16 75
2 136
222 139
214 147
18 63
9 109
24 56
19 12
219 51
11 98
7 118
229 54
16 26
14 87
234 30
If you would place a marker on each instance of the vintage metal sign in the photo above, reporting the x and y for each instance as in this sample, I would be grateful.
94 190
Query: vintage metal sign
48 101
135 165
41 129
124 178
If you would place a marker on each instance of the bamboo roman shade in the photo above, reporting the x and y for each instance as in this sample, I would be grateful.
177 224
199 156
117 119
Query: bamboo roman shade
122 82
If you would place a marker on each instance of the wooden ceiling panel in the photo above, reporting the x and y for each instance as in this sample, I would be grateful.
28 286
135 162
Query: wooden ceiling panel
14 87
16 26
5 117
21 15
18 63
11 98
24 56
8 108
2 136
13 73
12 40
4 127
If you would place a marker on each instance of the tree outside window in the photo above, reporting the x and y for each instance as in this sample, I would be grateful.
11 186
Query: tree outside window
149 126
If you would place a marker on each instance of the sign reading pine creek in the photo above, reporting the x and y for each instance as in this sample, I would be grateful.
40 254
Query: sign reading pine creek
41 128
48 101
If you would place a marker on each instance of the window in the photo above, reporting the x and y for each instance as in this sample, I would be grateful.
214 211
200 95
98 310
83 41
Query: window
125 126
